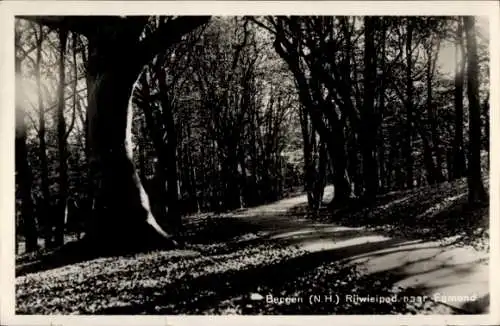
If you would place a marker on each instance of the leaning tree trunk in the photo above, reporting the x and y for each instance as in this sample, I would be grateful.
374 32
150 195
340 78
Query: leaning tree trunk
122 210
477 194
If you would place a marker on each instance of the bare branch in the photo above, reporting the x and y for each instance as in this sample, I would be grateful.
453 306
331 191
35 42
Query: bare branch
168 34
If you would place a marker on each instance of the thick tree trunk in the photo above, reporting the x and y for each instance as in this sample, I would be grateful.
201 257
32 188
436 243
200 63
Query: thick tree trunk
122 210
24 176
477 193
458 161
62 146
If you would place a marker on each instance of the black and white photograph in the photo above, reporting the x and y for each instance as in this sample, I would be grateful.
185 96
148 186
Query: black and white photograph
250 164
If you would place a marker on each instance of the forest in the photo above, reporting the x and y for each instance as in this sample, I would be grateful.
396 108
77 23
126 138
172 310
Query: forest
130 130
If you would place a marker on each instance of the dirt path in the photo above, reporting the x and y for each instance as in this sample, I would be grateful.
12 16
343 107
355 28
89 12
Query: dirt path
456 277
254 251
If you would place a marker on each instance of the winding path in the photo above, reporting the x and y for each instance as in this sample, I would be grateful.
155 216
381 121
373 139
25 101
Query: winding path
458 277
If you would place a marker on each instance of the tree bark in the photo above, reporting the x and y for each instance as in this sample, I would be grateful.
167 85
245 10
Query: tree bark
408 144
320 183
477 193
142 151
384 170
62 146
88 203
122 210
486 134
432 172
354 168
368 130
43 203
458 154
158 191
307 152
170 154
24 176
431 113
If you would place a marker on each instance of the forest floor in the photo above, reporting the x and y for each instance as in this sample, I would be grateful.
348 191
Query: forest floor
400 248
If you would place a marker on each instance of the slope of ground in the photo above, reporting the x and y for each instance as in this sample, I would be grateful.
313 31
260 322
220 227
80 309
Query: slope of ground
246 261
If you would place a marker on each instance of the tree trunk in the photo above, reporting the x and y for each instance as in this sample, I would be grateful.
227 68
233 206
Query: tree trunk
193 189
354 166
458 162
122 210
243 177
157 190
24 176
486 134
230 178
384 170
321 179
408 145
170 165
429 165
62 146
307 150
44 203
88 203
337 153
477 193
142 151
431 113
368 132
